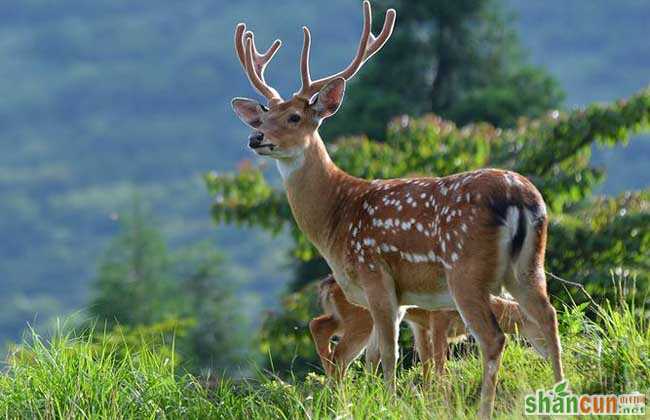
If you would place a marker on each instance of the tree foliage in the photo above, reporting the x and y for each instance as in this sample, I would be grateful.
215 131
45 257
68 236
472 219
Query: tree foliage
458 59
144 290
590 239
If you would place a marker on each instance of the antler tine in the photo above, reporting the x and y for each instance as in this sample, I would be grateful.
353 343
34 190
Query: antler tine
304 61
376 43
255 63
368 46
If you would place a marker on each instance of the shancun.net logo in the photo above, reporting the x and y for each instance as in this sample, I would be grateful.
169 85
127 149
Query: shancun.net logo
561 401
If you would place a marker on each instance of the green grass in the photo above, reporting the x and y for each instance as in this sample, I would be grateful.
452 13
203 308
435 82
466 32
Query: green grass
93 377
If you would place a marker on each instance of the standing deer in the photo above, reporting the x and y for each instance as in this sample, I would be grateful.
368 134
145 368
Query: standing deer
432 330
389 242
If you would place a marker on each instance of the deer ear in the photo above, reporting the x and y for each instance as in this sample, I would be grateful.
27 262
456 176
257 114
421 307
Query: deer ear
249 111
329 98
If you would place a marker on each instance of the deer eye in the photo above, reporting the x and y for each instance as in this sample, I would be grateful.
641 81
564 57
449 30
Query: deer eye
294 118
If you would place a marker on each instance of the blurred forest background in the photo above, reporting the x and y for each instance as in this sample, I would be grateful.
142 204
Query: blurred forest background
112 112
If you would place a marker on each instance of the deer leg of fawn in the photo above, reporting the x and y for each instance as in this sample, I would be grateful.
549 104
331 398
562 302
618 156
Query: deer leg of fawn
482 324
440 325
423 349
322 329
384 309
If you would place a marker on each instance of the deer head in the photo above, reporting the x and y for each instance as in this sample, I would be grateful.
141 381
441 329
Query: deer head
283 129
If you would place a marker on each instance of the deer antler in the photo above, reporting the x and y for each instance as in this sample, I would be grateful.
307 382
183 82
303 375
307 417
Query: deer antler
368 46
255 63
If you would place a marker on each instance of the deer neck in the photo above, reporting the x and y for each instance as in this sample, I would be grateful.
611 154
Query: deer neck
315 187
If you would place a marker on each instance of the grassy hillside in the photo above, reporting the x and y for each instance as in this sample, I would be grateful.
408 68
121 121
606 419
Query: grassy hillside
112 377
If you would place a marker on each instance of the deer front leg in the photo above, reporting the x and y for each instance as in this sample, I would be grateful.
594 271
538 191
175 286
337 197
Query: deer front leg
322 329
382 303
372 353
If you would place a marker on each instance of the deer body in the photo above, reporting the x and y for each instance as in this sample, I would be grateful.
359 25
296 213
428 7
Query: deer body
417 229
389 241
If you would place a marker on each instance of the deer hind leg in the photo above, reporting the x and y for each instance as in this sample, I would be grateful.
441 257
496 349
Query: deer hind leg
384 309
527 284
528 287
356 333
322 329
480 321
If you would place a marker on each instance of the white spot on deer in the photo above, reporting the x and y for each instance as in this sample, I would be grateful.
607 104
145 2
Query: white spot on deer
448 218
371 266
447 236
350 227
354 232
361 259
454 257
444 247
432 256
463 227
423 195
467 197
357 246
419 227
393 248
369 241
443 190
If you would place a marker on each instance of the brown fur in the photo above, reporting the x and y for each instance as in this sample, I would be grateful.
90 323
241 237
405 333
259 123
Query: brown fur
484 229
432 331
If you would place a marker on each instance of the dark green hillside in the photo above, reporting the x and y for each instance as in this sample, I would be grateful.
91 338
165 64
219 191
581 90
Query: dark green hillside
105 99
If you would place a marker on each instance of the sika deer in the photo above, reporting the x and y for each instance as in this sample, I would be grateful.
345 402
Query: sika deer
434 243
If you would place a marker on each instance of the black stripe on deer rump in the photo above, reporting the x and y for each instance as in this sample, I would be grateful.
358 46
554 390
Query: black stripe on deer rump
499 204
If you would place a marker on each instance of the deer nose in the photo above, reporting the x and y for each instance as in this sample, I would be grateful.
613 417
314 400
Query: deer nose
255 139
